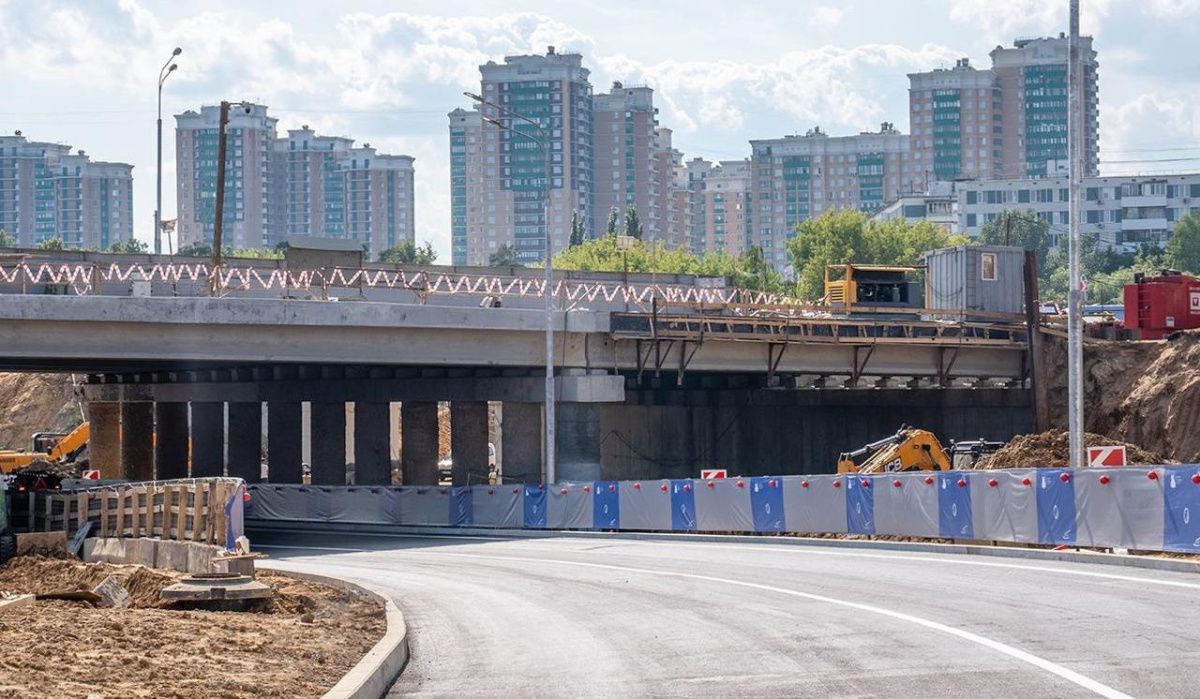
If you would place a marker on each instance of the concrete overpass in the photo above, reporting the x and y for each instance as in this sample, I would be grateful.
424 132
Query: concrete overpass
686 380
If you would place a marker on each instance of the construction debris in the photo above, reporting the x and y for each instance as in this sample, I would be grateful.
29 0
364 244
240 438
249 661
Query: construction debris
112 593
1052 449
206 587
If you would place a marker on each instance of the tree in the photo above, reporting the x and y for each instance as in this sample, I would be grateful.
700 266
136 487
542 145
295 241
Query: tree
576 230
1020 228
505 256
1183 249
51 244
838 237
633 227
195 250
614 217
7 240
409 254
130 246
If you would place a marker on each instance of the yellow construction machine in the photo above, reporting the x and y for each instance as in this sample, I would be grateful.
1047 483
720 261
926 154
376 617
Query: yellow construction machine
48 446
909 449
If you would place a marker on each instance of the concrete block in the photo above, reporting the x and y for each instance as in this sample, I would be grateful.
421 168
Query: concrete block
34 541
199 557
172 555
109 550
112 593
8 604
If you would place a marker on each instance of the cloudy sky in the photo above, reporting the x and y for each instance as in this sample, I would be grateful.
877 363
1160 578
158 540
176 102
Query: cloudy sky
83 72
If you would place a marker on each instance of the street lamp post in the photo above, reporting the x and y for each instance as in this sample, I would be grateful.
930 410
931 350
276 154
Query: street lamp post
543 140
168 68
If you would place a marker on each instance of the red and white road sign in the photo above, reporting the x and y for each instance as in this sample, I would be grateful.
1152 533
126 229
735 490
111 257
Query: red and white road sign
1106 456
92 474
709 474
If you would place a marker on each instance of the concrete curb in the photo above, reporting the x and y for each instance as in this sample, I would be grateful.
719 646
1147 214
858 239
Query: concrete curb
375 672
997 551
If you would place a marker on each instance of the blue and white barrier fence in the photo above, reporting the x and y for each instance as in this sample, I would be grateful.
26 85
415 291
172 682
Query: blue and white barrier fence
1131 507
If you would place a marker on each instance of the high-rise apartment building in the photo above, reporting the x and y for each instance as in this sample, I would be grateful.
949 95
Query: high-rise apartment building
300 184
724 203
626 154
506 193
1032 79
47 192
250 141
668 182
1009 121
795 178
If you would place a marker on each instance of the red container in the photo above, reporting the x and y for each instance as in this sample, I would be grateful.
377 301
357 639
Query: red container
1158 306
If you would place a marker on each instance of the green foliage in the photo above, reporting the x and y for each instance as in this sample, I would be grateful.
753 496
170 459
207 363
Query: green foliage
614 217
129 246
409 254
1183 249
195 250
51 244
576 230
1020 228
633 226
750 271
1106 272
7 240
254 253
506 255
838 237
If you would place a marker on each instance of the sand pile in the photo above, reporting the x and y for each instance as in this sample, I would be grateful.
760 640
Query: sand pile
35 403
35 574
1053 448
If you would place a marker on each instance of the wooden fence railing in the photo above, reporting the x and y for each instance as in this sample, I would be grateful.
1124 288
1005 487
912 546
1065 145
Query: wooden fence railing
179 510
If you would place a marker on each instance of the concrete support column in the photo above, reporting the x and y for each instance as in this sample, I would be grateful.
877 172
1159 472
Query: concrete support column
372 444
208 440
171 440
284 442
419 442
577 433
104 442
245 441
328 443
137 441
522 443
469 442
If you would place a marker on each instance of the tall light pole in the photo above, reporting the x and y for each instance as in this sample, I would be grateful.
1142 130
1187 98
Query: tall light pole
168 68
543 140
1075 291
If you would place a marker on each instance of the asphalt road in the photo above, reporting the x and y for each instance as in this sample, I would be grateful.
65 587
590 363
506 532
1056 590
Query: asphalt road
613 617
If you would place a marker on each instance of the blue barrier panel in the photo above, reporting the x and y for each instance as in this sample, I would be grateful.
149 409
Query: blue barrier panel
954 506
461 514
645 505
860 504
1056 506
766 503
1181 517
535 507
683 506
606 506
814 504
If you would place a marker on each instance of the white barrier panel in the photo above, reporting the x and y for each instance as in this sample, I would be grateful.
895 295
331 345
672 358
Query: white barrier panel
498 506
1119 507
367 504
424 506
569 506
645 505
812 505
906 504
1003 504
285 502
723 505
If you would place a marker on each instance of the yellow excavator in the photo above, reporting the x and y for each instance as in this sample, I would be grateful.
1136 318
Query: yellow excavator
47 446
909 449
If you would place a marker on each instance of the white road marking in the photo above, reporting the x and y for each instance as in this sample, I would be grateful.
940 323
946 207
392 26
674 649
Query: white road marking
311 548
1016 653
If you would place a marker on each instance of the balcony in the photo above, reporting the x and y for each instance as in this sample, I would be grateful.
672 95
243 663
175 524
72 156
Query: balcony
1145 224
1133 202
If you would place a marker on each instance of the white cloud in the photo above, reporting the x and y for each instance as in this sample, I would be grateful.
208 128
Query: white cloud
1176 123
1172 8
999 22
826 17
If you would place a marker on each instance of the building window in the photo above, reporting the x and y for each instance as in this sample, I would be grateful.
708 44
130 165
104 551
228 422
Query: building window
987 266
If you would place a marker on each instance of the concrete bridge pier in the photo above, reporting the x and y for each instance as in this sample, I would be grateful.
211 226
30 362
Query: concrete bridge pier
245 441
328 430
469 442
284 442
137 441
419 442
170 440
208 439
577 434
372 444
521 446
104 445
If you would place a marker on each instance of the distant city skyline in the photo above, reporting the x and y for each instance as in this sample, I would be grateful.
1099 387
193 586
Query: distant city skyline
722 75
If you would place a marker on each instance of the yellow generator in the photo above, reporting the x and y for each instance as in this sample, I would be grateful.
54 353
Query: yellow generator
876 286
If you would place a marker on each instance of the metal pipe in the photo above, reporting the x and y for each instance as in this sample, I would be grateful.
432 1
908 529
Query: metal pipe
1075 291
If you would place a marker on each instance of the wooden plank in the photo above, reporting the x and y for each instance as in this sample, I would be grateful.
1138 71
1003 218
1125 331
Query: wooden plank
180 513
198 505
148 512
104 496
82 508
135 507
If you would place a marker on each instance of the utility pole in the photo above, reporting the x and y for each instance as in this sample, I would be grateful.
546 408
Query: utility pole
1075 291
219 216
168 68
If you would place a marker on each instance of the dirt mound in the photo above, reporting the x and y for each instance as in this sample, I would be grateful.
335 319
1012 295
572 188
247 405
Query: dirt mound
38 574
1053 449
35 403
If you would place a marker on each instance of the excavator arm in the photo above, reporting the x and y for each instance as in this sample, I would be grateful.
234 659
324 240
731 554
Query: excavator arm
907 450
